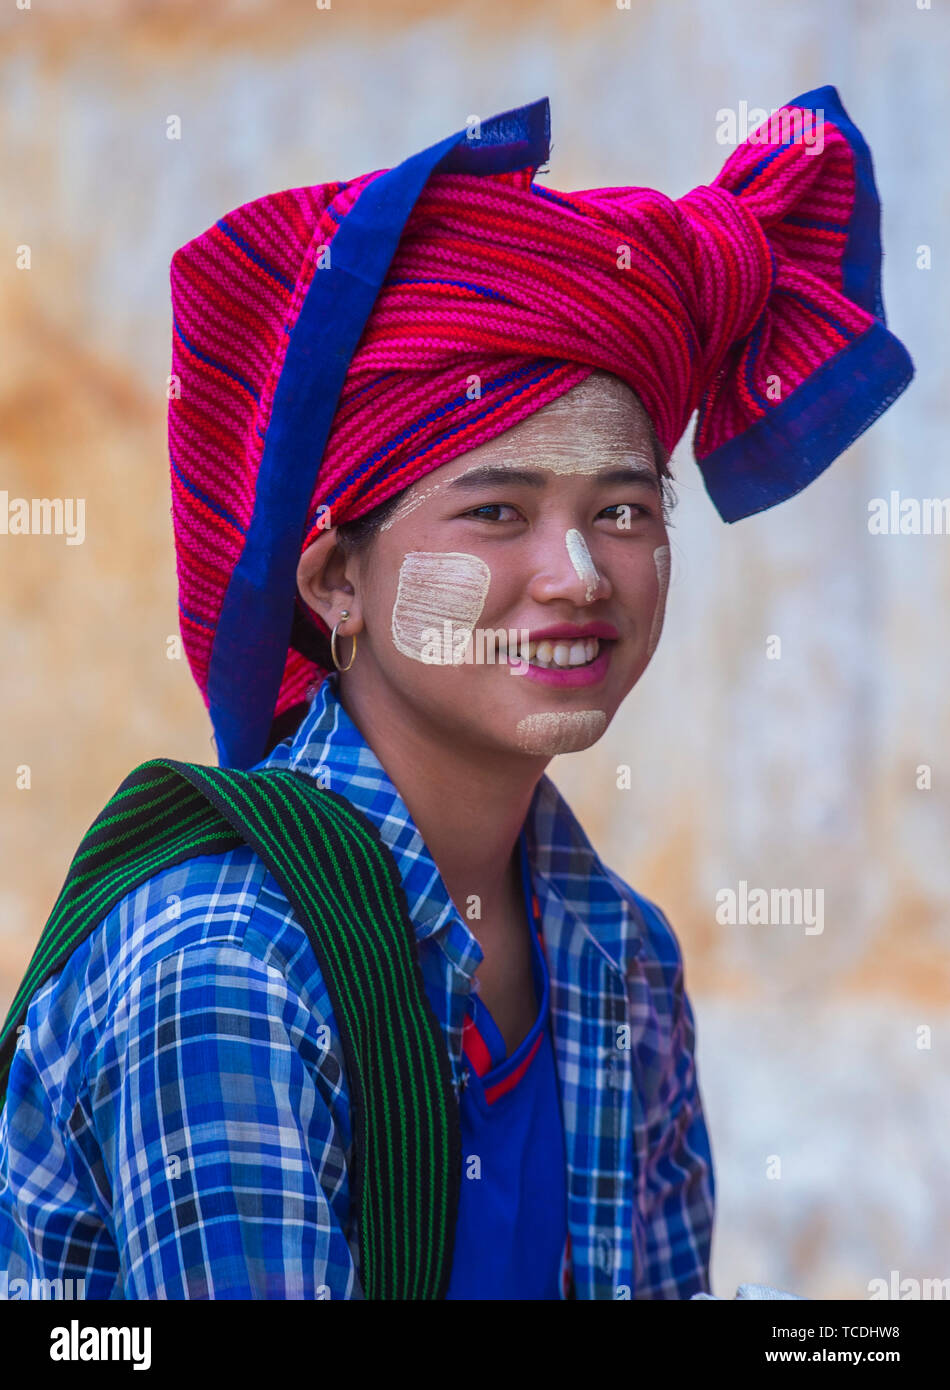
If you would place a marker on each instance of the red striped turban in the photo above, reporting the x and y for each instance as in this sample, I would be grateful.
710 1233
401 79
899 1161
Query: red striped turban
326 341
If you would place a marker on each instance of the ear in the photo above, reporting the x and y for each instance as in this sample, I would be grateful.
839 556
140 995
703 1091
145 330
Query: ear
324 585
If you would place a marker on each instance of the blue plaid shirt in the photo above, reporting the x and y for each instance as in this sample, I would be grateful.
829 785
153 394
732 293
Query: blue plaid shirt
176 1125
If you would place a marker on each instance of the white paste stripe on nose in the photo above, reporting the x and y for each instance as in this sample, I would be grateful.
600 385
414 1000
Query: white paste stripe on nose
584 566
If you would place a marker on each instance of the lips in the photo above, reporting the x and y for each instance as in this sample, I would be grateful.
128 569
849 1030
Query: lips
574 632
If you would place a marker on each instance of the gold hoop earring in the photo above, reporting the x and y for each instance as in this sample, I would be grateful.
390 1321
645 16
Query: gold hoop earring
343 616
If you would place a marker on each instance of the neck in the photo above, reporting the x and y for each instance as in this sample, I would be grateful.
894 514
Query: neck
468 804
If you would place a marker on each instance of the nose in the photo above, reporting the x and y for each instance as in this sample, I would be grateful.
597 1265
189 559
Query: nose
566 569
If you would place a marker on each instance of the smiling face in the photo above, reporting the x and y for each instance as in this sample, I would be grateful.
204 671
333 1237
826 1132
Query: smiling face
514 596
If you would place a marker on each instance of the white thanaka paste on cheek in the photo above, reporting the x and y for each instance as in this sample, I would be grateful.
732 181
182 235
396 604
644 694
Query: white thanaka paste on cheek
582 562
437 588
560 731
661 558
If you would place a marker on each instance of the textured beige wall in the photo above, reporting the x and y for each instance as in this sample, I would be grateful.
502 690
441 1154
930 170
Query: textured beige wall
796 772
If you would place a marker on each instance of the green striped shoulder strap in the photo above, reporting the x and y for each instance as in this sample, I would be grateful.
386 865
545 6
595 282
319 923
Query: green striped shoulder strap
345 889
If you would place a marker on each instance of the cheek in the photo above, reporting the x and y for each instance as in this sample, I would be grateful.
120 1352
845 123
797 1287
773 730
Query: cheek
439 599
661 559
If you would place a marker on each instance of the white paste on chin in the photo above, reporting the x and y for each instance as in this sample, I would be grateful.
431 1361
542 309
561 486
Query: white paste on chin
661 558
435 587
560 731
582 562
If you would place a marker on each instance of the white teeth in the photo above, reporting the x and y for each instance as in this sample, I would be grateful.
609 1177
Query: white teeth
523 652
558 654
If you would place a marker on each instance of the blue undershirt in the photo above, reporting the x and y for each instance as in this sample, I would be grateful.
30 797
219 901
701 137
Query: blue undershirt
512 1219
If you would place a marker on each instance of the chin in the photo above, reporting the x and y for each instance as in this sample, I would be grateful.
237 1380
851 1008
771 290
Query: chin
550 732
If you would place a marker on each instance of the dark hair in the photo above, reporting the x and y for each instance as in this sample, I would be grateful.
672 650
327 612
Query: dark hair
667 492
356 535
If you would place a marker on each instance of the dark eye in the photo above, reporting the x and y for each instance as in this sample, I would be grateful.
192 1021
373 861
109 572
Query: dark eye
636 509
479 512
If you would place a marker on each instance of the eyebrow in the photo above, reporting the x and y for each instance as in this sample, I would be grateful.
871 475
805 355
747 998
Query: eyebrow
498 475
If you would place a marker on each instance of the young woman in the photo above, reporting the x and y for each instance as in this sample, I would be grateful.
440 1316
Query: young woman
426 414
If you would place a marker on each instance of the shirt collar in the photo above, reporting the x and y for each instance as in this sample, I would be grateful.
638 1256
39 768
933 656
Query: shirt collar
567 873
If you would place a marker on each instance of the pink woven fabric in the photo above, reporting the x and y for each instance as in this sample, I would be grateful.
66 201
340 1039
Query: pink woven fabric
704 301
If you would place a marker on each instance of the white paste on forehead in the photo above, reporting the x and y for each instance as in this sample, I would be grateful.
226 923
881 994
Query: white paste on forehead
582 562
591 427
560 731
410 502
661 558
435 588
